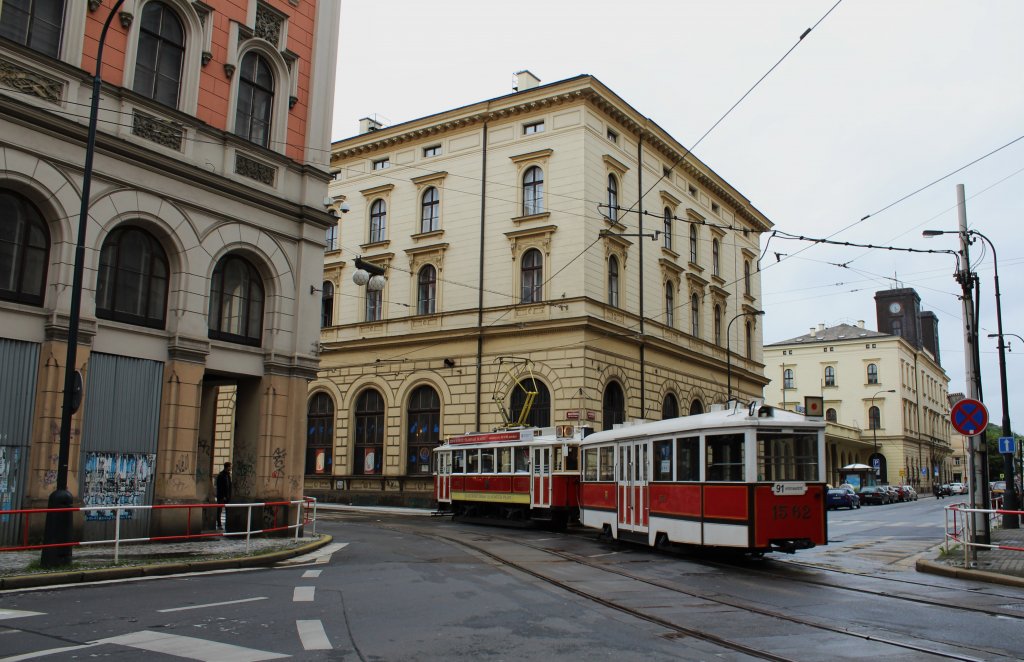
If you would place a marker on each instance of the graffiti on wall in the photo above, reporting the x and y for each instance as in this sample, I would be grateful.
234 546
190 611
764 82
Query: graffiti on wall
9 456
116 479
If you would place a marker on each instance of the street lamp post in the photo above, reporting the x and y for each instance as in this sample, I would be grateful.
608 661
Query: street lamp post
728 351
874 427
1018 469
57 530
1010 502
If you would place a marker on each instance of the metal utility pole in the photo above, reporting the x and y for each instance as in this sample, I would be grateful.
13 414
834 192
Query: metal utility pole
976 455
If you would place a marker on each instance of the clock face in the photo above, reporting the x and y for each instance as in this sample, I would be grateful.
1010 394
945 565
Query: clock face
895 308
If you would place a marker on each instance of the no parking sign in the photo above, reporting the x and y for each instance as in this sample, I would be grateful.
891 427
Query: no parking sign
969 417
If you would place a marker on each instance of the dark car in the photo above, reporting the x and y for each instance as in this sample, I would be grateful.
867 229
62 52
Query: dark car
874 495
841 498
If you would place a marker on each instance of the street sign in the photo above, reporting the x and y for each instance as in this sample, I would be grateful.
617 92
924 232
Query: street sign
969 417
1007 446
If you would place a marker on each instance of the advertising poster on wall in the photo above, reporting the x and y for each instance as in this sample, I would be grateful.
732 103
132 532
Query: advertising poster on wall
116 479
9 457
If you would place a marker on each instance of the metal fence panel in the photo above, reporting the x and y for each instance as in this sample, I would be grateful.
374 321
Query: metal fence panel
19 364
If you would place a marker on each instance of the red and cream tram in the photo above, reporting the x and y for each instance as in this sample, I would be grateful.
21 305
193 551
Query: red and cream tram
517 476
750 479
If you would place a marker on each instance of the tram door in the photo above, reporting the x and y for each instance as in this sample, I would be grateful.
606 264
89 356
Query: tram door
444 476
634 507
540 481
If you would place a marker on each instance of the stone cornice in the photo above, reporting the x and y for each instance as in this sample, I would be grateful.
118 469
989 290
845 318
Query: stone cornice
434 176
531 156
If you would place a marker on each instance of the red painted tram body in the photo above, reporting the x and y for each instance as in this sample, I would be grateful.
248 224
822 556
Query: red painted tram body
749 479
516 476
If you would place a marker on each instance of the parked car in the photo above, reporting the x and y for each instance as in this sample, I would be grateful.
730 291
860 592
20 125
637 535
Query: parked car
957 488
894 493
908 493
874 495
841 498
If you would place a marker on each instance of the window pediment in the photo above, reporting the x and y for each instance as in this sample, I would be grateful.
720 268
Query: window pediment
695 216
377 190
521 240
432 254
669 199
435 178
614 164
539 155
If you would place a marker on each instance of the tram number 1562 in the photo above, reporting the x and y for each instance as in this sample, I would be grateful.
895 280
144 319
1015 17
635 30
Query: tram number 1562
791 512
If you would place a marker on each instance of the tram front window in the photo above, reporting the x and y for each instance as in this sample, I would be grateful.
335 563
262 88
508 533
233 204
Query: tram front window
590 464
787 456
688 458
725 457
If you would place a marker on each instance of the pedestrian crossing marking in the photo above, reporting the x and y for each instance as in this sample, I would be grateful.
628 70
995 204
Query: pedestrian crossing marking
313 636
190 647
14 613
303 594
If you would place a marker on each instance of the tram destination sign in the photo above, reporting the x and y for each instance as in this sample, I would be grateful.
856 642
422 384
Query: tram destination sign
789 489
494 437
969 417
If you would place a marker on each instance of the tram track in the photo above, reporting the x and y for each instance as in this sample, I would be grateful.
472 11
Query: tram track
942 650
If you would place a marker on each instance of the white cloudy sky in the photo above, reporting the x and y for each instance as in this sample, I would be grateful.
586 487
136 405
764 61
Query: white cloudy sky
881 99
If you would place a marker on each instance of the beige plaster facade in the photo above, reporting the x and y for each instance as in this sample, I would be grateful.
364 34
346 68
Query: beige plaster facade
584 336
854 369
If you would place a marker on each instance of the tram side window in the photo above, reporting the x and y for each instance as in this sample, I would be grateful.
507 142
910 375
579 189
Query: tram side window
556 465
505 460
787 457
473 462
725 457
487 461
459 464
606 465
572 459
663 460
688 458
590 464
522 460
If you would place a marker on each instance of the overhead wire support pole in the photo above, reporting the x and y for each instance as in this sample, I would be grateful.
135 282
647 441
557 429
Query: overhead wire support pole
58 525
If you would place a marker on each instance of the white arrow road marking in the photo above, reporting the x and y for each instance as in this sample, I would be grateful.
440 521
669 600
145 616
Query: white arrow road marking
170 644
322 555
14 613
212 604
303 594
313 636
311 574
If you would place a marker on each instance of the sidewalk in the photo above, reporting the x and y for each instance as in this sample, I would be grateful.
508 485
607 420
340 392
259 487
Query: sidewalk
999 566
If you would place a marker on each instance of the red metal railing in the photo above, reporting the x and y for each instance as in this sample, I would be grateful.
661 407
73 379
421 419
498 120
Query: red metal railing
305 515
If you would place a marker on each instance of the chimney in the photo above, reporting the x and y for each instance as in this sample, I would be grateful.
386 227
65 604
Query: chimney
812 331
368 124
821 327
860 324
524 80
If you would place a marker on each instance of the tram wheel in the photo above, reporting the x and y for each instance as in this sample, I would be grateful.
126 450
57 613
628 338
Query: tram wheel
661 542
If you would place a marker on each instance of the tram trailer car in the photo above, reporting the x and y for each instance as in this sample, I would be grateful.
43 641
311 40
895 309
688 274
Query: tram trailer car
745 479
517 476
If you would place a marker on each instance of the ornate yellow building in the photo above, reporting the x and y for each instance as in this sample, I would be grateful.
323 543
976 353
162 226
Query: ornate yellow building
519 255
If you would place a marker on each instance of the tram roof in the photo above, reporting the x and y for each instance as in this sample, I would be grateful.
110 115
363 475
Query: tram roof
724 419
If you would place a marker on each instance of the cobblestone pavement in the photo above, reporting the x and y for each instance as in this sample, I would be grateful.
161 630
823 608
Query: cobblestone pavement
1004 564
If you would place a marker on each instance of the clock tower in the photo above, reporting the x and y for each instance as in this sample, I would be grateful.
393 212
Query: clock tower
899 313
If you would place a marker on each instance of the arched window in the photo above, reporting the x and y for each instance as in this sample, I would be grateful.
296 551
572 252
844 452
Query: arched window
24 249
667 231
37 25
696 407
613 198
830 376
320 435
327 304
874 418
531 276
426 291
540 410
695 315
830 415
160 56
613 281
132 282
718 324
533 191
746 277
670 304
715 258
424 429
255 99
378 221
787 378
236 302
614 405
693 243
872 373
750 340
430 216
369 433
670 407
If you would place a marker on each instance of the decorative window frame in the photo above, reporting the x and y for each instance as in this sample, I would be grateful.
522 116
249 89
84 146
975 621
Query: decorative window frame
192 61
540 158
672 203
420 257
521 241
435 180
382 192
242 41
717 234
615 167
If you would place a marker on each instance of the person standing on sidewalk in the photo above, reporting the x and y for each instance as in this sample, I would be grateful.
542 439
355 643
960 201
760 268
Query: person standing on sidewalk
223 489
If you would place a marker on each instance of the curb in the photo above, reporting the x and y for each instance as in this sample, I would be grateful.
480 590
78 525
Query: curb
157 570
944 570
